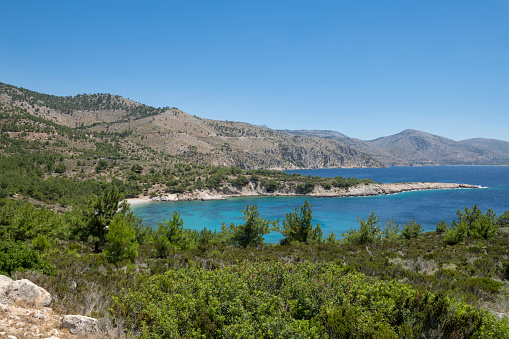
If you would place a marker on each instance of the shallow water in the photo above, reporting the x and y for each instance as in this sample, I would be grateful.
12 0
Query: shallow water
338 215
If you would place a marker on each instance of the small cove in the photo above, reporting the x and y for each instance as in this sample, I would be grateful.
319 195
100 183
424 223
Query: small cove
338 215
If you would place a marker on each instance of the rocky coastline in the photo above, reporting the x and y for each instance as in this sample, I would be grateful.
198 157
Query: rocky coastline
257 190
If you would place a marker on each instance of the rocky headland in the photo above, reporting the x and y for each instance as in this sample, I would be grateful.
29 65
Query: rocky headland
253 189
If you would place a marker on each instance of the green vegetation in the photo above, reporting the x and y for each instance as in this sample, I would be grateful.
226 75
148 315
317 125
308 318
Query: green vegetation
382 282
292 301
370 231
99 214
171 236
121 242
251 232
80 102
19 257
299 227
472 223
64 225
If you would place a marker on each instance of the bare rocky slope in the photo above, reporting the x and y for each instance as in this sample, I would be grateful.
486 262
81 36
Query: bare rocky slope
172 132
178 134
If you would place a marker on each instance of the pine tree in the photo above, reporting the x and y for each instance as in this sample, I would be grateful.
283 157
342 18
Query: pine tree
252 231
121 240
298 226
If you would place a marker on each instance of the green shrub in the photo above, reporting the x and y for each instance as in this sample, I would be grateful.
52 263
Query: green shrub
101 166
299 226
121 240
411 230
171 235
327 186
41 243
503 220
306 188
270 185
441 227
251 232
277 300
16 256
368 232
241 181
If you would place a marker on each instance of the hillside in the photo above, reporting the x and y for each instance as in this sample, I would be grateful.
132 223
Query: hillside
499 147
380 154
412 147
93 123
67 163
172 133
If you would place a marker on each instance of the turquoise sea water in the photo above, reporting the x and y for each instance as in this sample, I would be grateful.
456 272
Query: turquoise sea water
338 215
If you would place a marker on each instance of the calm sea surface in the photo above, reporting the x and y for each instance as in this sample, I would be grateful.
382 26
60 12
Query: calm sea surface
338 215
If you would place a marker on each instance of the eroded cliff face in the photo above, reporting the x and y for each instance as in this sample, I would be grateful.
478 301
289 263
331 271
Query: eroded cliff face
279 151
362 190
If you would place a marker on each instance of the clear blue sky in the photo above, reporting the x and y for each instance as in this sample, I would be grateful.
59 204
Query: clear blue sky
364 68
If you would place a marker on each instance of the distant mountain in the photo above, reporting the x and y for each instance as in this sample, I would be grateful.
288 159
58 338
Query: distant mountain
159 133
380 154
412 147
492 145
127 128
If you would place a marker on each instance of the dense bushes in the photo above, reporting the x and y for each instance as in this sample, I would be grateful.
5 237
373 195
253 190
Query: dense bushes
24 174
370 231
292 301
15 256
271 290
472 223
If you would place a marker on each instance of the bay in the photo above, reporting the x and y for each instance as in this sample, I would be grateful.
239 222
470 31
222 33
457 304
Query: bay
338 215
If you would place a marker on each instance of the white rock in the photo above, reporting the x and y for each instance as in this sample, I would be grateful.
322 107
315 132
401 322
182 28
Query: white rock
14 290
79 324
4 281
40 316
499 315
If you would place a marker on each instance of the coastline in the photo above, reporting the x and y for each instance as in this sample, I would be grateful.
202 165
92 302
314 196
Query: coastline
251 190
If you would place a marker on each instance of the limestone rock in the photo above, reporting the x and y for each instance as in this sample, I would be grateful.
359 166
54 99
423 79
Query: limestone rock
499 315
14 290
79 324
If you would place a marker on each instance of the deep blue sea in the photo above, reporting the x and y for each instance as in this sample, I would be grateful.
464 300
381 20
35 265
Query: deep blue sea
338 215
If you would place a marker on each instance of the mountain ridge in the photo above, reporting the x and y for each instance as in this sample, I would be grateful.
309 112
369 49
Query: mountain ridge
177 134
171 132
415 147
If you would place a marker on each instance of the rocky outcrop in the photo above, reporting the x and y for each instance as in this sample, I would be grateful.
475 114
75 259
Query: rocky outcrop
379 189
499 315
22 290
79 324
24 314
253 189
